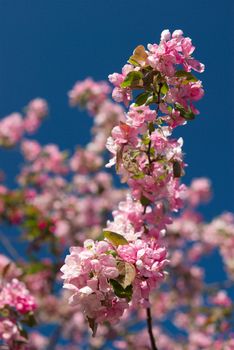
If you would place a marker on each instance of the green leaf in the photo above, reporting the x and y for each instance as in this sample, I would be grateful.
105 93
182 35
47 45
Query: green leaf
120 291
177 171
139 56
132 79
145 201
115 238
127 273
142 98
148 79
112 252
151 99
151 127
152 151
34 268
6 269
133 62
30 223
189 76
139 176
164 89
93 325
4 312
33 233
169 109
188 115
146 139
23 334
29 320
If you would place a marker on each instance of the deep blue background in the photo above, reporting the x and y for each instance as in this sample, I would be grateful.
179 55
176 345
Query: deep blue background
45 46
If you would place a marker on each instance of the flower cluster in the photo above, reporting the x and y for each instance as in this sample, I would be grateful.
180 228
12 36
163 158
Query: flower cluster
151 163
13 127
16 305
93 96
157 71
15 295
88 272
105 277
89 94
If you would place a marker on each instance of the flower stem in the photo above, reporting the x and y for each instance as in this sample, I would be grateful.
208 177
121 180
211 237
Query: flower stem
150 330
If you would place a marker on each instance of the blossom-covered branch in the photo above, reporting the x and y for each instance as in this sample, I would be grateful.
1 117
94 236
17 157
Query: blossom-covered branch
109 276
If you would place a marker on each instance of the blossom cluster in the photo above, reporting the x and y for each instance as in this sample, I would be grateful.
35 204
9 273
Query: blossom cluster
13 127
16 296
16 304
93 96
89 94
104 277
151 163
157 72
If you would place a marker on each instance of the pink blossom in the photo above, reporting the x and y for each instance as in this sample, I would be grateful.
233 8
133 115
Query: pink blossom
11 129
17 296
88 94
84 161
8 330
222 299
30 149
137 116
37 341
120 94
87 272
124 134
199 191
200 339
36 110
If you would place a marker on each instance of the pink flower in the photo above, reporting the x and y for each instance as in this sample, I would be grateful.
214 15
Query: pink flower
198 192
138 116
36 111
87 272
17 296
11 129
39 107
8 330
30 149
222 299
89 94
85 161
124 134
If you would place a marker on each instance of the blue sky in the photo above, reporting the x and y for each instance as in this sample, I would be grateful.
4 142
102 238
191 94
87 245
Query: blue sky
45 46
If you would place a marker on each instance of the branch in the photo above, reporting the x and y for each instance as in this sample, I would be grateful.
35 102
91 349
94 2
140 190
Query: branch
150 330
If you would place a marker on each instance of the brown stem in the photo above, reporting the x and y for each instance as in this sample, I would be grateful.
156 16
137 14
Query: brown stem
150 132
148 311
150 329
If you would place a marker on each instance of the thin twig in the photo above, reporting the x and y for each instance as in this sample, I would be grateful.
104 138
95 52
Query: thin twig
150 329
